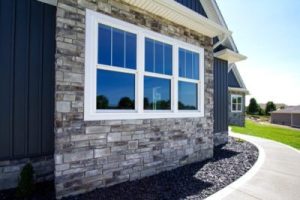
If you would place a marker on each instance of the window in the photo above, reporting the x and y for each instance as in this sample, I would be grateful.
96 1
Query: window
236 103
157 93
189 79
134 73
158 57
187 96
115 90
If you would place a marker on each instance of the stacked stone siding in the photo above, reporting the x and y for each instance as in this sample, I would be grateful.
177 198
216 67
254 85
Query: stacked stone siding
10 170
236 118
93 154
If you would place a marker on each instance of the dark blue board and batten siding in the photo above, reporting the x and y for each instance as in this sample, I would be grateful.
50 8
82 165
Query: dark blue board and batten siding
27 55
232 80
220 95
194 5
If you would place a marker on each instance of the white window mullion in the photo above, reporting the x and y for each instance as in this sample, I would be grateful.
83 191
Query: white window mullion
175 78
140 73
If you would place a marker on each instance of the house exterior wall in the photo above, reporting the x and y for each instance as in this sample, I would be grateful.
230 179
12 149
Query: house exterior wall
236 118
296 120
10 170
281 118
27 57
220 102
93 154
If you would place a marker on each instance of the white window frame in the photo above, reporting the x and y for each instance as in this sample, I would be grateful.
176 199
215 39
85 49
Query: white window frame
236 96
91 65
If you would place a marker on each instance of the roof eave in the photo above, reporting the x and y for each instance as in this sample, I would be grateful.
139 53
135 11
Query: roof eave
243 90
230 56
177 13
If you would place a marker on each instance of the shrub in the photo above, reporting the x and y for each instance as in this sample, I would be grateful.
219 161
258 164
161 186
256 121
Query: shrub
26 183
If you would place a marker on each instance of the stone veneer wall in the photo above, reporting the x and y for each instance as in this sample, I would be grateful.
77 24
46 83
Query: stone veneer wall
220 138
10 170
93 154
236 118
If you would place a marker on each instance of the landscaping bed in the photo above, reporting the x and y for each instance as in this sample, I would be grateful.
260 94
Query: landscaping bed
193 181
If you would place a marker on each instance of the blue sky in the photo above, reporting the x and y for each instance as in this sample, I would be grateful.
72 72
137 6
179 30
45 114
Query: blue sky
268 33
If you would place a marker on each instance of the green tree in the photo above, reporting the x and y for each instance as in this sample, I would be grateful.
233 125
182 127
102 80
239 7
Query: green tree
126 103
102 102
270 107
253 107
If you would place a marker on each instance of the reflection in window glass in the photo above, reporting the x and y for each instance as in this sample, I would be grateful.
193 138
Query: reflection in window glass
187 96
116 47
115 90
188 64
158 57
157 93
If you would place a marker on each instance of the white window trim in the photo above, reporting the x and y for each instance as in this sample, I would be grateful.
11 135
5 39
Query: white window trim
236 96
91 65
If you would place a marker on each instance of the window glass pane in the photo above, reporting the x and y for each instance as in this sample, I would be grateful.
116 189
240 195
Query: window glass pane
181 62
234 100
234 107
115 90
149 55
189 64
168 59
159 68
239 107
118 48
104 44
130 51
196 66
187 93
157 93
239 99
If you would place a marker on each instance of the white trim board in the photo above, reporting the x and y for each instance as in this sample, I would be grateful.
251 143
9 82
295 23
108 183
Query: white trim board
91 113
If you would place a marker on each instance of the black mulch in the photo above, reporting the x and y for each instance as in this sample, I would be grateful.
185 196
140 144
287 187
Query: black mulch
194 181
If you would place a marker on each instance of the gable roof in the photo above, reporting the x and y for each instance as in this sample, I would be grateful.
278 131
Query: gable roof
235 81
213 12
290 109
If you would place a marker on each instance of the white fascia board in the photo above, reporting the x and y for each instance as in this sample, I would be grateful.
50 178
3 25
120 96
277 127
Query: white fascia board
51 2
213 12
230 56
177 13
243 90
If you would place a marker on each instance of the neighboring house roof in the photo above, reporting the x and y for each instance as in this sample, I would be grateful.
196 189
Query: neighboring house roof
288 110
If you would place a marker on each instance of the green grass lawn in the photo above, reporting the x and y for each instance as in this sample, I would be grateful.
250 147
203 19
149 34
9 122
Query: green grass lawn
284 135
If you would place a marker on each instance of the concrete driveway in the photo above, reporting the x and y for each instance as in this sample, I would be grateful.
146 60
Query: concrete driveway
275 176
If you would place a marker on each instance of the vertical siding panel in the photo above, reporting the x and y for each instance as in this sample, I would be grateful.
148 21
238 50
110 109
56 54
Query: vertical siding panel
220 95
7 15
35 78
48 81
21 78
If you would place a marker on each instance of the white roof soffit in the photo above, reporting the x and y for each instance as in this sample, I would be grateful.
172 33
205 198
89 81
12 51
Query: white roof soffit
230 56
175 12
